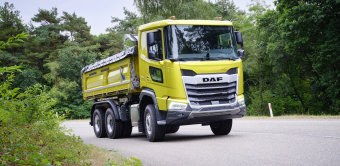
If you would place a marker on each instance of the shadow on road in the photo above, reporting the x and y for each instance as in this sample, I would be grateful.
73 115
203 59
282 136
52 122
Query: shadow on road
180 137
183 138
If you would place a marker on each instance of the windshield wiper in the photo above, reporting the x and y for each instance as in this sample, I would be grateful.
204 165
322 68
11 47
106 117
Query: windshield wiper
183 59
201 58
219 58
176 59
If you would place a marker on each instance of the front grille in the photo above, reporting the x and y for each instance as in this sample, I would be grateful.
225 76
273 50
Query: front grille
211 94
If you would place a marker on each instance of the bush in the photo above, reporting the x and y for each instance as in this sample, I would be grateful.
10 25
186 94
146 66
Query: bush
31 133
30 129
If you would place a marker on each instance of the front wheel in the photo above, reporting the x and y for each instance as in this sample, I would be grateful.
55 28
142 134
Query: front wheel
153 131
221 127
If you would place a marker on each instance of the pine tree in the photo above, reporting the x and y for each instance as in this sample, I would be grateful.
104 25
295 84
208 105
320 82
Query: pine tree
50 38
10 26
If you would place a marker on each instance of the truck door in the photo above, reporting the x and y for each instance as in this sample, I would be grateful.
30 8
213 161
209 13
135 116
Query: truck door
152 67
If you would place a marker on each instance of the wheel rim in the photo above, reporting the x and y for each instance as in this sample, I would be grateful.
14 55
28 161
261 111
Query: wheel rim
148 123
109 123
97 123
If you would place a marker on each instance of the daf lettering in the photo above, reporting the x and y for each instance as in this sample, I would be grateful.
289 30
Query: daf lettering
212 79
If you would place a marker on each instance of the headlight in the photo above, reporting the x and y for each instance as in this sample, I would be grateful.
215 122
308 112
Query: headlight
241 101
178 106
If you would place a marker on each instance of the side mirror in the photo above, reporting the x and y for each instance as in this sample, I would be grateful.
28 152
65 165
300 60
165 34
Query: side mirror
240 53
151 55
239 39
150 38
151 41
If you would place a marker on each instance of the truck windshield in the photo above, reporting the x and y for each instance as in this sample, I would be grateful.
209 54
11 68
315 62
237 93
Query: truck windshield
200 42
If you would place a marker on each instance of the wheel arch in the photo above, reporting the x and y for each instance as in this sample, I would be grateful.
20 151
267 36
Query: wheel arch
103 105
148 96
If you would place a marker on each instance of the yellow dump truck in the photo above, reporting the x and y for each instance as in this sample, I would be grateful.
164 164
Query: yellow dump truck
178 72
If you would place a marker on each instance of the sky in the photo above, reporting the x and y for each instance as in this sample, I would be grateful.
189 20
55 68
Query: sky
97 13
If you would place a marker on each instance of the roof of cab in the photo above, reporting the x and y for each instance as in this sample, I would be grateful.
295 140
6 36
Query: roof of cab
164 23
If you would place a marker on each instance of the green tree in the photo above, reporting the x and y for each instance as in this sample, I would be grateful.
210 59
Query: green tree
70 23
129 24
296 85
49 37
227 9
50 28
310 31
152 10
256 66
110 44
69 89
10 25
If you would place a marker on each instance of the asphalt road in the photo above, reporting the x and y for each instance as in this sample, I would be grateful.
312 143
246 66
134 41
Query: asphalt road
250 142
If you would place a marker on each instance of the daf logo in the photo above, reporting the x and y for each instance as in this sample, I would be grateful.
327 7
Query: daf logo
212 79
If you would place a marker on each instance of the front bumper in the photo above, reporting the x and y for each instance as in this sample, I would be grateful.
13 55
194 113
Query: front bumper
204 115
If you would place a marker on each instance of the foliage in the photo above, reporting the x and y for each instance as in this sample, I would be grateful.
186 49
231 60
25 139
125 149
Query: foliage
152 10
69 88
28 76
227 10
129 24
309 30
10 28
12 40
31 132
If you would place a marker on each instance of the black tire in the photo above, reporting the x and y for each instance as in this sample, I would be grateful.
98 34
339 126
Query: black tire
127 129
172 129
99 123
114 128
153 131
221 127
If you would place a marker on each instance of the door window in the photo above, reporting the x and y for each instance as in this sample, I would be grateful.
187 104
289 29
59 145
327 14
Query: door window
157 47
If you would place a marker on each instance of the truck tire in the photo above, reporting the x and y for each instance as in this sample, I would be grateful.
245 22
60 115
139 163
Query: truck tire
172 129
153 131
127 129
114 128
99 123
221 127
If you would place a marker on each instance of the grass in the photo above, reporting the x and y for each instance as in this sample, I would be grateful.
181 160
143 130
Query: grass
78 120
43 144
105 157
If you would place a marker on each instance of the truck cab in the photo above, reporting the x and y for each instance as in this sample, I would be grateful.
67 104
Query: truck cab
188 72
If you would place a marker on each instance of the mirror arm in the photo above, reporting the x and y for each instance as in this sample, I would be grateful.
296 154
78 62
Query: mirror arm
172 59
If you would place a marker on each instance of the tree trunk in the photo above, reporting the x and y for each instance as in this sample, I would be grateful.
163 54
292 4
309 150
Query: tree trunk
317 77
296 92
261 96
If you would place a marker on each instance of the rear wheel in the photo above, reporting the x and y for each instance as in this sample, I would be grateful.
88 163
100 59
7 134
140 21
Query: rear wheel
114 127
153 131
99 123
172 129
221 127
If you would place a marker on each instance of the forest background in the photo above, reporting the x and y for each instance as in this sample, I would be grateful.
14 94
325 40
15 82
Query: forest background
291 52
